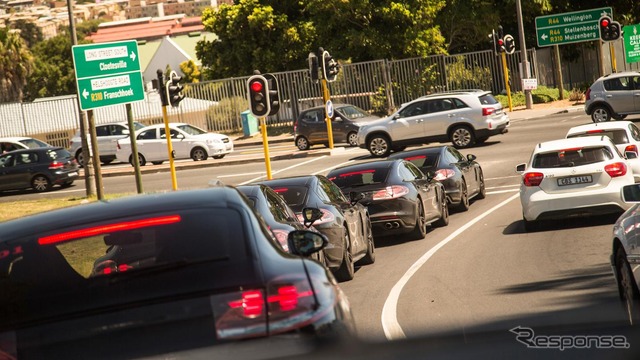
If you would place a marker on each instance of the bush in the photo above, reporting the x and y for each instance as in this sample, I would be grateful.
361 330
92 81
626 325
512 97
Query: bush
540 95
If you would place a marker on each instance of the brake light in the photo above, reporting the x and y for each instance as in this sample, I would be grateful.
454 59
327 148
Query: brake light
109 228
616 169
281 190
486 111
282 237
587 95
56 165
251 303
417 157
327 216
443 174
391 192
532 178
594 131
631 148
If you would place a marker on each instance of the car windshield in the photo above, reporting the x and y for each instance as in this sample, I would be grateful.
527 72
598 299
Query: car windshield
59 154
191 130
293 195
572 157
423 160
353 112
348 179
33 143
618 136
487 99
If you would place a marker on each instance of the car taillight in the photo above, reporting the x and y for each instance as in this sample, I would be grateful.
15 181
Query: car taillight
327 216
390 192
587 95
56 165
443 174
290 303
486 111
631 148
616 169
295 126
281 236
532 178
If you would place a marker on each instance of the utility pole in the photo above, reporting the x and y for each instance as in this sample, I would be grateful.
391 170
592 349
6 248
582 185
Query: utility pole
524 73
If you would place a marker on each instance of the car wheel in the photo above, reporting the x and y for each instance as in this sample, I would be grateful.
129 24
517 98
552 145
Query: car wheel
420 231
600 114
462 137
370 257
218 156
302 143
80 157
444 212
629 292
141 160
157 162
40 183
346 270
482 193
379 146
464 197
352 138
199 154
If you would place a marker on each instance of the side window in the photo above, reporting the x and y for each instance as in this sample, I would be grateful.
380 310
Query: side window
116 130
414 109
455 154
276 208
102 130
332 190
174 133
414 170
405 174
459 103
440 105
313 116
7 161
635 132
147 135
636 82
618 84
26 158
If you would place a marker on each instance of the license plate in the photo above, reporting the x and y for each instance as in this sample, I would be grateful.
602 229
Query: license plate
75 173
573 180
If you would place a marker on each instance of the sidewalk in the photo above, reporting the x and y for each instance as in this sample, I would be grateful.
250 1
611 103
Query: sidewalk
542 110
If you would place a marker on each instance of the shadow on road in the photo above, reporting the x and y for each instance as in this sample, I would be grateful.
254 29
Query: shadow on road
517 227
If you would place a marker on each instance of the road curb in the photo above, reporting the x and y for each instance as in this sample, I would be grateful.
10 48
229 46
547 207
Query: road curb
541 115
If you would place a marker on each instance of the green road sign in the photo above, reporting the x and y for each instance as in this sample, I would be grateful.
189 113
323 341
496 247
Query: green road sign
571 27
631 35
108 74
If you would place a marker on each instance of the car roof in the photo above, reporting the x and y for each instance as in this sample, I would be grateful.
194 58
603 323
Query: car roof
424 150
602 125
385 163
620 74
335 106
573 142
14 138
303 180
20 151
162 125
478 92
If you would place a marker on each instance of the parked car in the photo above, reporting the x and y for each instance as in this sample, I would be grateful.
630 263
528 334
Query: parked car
624 134
344 221
188 142
572 177
107 135
311 126
38 169
461 176
399 197
277 215
158 274
613 96
18 142
464 117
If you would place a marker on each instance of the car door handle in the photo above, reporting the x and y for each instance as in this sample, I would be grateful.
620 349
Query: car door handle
452 115
609 96
419 120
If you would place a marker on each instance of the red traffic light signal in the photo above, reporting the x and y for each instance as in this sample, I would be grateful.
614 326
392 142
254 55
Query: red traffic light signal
258 95
256 86
609 29
604 22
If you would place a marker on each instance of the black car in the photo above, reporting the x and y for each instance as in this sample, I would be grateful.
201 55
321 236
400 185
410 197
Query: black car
462 176
344 221
37 168
400 198
311 127
278 216
160 273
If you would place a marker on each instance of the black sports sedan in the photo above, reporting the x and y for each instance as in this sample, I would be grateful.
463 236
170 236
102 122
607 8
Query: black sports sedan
278 216
462 176
156 274
400 198
345 222
37 168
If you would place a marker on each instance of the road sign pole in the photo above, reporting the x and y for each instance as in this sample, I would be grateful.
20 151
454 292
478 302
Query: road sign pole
505 69
265 145
612 51
134 148
167 135
558 70
96 155
326 96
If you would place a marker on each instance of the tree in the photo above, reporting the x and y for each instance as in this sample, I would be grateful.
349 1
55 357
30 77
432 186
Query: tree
190 71
29 32
16 63
87 27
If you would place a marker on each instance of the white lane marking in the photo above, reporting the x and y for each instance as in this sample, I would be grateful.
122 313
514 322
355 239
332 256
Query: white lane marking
281 170
502 187
62 191
502 191
575 117
390 325
245 174
502 177
332 167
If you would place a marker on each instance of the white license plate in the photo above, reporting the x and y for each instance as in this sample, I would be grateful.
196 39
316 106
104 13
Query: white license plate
75 173
573 180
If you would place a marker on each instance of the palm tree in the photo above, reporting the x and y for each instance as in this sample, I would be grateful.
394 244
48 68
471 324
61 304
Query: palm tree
16 63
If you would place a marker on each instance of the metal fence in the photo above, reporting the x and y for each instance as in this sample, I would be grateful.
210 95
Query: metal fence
378 86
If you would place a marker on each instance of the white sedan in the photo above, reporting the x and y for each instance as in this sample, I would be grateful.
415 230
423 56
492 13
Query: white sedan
573 177
187 141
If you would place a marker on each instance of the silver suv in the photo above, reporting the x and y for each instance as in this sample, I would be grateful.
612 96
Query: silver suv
464 117
107 135
613 96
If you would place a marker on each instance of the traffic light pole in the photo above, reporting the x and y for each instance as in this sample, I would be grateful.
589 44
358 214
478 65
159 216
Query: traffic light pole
325 97
96 155
505 69
134 148
612 51
265 144
167 134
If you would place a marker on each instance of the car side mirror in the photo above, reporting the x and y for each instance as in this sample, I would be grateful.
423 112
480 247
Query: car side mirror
180 136
355 197
520 168
396 116
305 242
430 174
471 157
630 155
631 193
337 119
311 215
125 132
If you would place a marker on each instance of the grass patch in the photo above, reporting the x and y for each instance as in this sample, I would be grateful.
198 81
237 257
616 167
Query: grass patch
540 95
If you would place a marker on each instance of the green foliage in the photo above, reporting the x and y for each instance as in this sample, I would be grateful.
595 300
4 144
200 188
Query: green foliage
190 71
29 32
226 111
540 95
16 64
467 30
87 27
462 77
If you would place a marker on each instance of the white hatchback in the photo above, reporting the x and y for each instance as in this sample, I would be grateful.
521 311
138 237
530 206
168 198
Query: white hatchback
571 178
187 142
624 134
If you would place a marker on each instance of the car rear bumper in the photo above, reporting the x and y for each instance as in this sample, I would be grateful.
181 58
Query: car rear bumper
392 217
499 129
538 205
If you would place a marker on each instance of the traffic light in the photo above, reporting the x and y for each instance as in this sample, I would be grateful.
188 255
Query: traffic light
509 44
174 89
330 68
609 29
258 95
498 41
313 67
274 94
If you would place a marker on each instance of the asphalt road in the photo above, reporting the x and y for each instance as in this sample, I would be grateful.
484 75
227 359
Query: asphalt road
483 271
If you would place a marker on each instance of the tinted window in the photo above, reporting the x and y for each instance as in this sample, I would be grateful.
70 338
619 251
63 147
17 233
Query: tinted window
313 116
26 158
459 103
618 84
618 136
414 109
353 112
487 99
406 174
102 130
147 135
449 158
456 154
174 133
7 160
425 160
293 195
277 208
334 192
191 130
414 170
348 178
440 105
58 154
572 157
6 147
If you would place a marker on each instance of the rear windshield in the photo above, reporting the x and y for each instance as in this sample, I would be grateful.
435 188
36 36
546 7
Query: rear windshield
572 157
487 99
424 161
293 195
616 135
33 143
349 179
79 267
59 154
